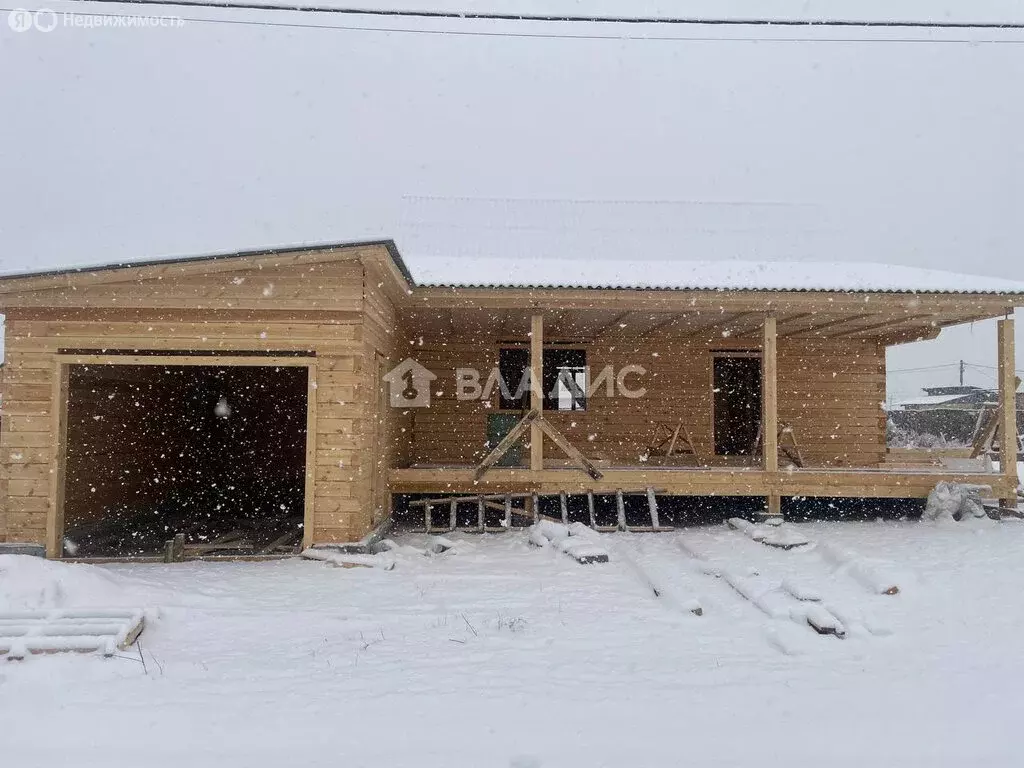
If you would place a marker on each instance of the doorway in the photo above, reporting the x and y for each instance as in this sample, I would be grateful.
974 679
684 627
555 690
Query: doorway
736 389
214 452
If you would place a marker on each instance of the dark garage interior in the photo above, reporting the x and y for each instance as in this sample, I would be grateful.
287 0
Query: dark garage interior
214 454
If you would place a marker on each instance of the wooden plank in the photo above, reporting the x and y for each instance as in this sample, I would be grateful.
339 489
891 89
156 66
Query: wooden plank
309 499
620 509
267 361
55 512
536 390
563 504
1008 407
770 395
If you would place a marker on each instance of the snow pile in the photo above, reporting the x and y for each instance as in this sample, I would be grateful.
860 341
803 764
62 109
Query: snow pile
32 583
954 501
576 540
384 560
772 534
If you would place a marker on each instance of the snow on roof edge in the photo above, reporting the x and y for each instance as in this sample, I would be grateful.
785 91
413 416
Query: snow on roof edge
607 274
596 274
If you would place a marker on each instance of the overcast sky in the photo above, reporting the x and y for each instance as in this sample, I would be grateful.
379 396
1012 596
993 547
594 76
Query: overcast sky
898 146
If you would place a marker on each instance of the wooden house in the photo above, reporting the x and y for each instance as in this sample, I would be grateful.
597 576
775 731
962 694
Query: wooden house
292 382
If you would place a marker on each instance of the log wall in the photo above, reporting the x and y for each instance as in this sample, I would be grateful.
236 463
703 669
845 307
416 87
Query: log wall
329 310
831 394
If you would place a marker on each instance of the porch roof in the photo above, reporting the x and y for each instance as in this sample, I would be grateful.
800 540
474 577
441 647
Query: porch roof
682 274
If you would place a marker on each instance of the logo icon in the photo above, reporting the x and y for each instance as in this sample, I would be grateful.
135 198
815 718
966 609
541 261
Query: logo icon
45 20
409 385
22 20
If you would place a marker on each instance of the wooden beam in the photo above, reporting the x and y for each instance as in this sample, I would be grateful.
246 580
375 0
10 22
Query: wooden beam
309 498
610 328
880 482
55 508
558 439
718 320
536 390
781 322
887 325
1008 407
778 302
814 329
770 395
909 335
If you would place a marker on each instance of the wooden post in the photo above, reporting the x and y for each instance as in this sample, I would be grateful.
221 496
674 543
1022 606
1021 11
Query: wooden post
590 509
652 504
1008 411
427 512
535 503
508 512
770 407
620 509
453 517
481 514
563 503
536 390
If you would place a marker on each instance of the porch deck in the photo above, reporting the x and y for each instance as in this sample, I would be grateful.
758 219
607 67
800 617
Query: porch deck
836 482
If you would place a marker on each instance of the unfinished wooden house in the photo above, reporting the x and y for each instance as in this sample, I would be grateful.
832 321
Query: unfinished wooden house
272 399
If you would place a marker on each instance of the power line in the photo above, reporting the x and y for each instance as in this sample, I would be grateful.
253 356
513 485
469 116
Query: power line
923 368
574 18
537 35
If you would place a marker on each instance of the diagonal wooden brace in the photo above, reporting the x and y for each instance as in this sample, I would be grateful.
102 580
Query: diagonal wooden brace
558 439
506 444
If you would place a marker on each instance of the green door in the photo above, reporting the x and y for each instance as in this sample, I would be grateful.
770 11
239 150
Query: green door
499 425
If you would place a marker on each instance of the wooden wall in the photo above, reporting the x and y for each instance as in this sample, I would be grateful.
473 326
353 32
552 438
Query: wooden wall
831 394
312 308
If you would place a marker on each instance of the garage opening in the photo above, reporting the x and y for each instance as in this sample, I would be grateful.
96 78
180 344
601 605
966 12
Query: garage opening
215 455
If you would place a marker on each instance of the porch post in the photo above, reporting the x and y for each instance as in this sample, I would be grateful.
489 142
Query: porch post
1008 411
537 390
770 408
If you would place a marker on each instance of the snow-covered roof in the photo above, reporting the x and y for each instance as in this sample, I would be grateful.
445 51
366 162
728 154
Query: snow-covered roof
684 274
926 400
487 271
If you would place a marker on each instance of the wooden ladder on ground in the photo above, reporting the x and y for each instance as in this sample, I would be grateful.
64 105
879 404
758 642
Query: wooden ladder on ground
503 502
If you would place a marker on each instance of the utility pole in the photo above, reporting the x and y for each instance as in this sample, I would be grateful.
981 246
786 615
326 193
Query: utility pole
962 366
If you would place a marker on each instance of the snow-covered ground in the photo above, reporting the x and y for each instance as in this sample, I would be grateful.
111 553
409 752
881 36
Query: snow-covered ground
501 654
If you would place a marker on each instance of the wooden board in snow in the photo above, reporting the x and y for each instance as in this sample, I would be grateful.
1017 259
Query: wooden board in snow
575 541
777 535
63 630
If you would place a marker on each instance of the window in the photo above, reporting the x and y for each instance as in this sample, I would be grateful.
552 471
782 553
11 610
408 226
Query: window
513 365
565 379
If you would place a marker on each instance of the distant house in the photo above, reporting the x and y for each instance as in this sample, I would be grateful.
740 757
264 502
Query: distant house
240 402
960 397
